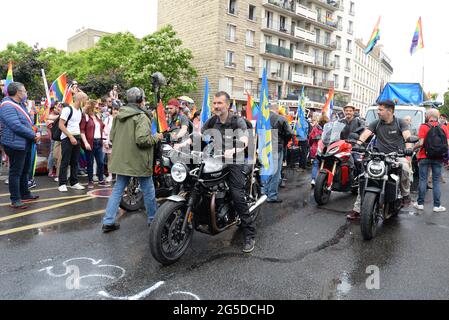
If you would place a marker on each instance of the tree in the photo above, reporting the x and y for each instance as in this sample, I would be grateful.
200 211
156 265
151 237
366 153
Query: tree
444 109
26 67
161 51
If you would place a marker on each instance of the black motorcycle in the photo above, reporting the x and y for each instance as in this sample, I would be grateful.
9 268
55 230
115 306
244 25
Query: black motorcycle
204 204
380 188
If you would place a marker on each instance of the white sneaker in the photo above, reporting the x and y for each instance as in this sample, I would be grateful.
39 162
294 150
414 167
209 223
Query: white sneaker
439 209
109 179
57 179
418 206
312 183
63 188
95 179
78 187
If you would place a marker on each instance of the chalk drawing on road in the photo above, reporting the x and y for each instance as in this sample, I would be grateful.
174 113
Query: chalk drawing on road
145 293
73 275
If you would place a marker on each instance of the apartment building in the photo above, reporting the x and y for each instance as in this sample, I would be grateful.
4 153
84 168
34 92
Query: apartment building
370 74
84 39
296 41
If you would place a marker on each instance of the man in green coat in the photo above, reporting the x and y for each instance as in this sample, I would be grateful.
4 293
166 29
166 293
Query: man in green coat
132 156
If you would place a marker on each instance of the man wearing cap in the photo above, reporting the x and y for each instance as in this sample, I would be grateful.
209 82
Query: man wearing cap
176 119
391 134
352 123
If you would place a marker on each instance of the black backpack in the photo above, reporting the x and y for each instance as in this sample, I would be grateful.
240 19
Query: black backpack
435 143
55 131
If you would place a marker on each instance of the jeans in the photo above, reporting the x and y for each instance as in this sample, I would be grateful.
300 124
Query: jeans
315 168
97 154
149 194
436 166
70 155
19 170
51 158
303 151
271 186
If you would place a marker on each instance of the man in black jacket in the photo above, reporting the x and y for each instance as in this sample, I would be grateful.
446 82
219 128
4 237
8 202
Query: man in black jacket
281 134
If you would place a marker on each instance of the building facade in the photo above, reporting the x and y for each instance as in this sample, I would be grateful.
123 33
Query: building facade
370 74
84 39
232 41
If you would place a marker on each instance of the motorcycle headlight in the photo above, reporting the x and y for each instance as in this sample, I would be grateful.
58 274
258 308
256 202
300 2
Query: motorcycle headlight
333 151
376 169
179 172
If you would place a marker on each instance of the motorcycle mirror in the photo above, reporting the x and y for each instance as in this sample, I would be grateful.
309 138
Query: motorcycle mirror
412 139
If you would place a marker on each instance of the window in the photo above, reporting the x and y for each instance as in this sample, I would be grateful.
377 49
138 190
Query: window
281 43
229 85
318 13
338 38
282 24
337 62
232 8
348 64
96 39
266 65
249 63
336 84
252 13
351 8
327 38
349 46
280 70
250 35
340 23
229 62
268 39
351 27
248 86
269 19
346 87
230 35
318 35
325 58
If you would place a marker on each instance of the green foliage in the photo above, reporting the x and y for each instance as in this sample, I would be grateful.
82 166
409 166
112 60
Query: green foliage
444 109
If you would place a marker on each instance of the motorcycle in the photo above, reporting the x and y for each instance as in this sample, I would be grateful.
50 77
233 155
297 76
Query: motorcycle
204 204
132 198
336 173
380 188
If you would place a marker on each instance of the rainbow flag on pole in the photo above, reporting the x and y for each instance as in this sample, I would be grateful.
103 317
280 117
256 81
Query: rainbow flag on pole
205 111
59 87
251 109
375 36
418 40
9 78
160 120
329 106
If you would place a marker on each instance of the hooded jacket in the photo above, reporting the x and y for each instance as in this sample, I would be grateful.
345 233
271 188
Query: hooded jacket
133 144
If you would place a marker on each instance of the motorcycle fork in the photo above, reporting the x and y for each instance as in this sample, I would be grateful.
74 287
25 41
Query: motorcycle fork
189 213
330 176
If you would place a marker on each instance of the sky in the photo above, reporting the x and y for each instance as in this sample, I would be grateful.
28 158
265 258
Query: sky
399 18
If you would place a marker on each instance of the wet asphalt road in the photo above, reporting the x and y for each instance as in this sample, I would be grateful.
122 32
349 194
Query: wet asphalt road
302 252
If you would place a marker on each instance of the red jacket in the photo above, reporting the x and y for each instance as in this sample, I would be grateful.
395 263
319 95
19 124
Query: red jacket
87 126
313 143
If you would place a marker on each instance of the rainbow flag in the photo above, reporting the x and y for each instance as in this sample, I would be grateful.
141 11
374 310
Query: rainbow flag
68 96
329 106
252 109
263 128
418 40
205 111
161 118
59 87
9 78
375 36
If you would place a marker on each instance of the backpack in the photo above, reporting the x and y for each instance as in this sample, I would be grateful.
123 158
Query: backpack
55 131
435 143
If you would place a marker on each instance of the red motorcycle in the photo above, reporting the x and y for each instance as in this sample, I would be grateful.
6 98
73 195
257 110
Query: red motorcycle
336 172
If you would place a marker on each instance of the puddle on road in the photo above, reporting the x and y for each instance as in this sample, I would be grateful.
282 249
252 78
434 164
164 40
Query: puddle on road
338 288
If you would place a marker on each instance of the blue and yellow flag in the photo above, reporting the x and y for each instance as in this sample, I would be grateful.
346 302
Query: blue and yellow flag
302 127
205 111
265 148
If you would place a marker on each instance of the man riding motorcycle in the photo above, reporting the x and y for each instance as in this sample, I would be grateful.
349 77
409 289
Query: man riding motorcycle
224 124
176 119
391 134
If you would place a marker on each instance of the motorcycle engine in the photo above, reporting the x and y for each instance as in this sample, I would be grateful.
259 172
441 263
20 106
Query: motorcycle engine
224 210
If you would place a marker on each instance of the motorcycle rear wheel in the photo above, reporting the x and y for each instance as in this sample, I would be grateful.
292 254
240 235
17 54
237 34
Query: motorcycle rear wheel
167 245
321 194
132 198
369 216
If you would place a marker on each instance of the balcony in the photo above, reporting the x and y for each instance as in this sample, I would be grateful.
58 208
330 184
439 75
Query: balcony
286 5
305 34
276 26
348 69
302 78
328 4
323 83
306 12
303 56
325 64
277 50
230 64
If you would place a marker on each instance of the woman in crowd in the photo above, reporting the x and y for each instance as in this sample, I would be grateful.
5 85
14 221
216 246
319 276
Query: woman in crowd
314 137
107 145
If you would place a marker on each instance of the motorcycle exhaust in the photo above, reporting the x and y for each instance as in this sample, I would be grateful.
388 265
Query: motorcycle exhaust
258 203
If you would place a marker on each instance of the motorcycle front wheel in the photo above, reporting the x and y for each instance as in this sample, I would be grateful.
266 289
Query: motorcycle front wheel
321 193
167 244
369 216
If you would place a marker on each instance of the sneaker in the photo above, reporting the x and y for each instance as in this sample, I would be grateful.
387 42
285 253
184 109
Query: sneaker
90 185
249 245
32 184
30 198
78 187
109 179
109 228
353 215
57 179
439 209
103 184
95 179
7 181
18 205
313 183
418 206
63 188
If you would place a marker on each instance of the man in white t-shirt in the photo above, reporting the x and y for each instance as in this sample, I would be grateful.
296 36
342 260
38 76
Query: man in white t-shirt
69 123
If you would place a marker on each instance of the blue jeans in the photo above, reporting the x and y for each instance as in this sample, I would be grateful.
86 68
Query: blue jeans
19 170
437 166
97 154
315 168
271 187
149 196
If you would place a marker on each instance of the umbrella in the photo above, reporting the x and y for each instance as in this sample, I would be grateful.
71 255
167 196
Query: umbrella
187 99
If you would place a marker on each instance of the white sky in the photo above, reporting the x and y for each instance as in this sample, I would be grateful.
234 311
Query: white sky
51 23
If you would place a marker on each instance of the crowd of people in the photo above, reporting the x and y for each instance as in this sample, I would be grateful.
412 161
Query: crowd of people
117 139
